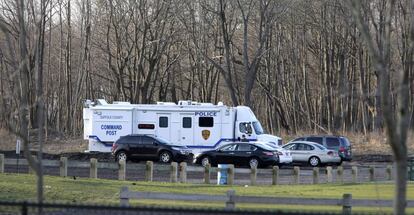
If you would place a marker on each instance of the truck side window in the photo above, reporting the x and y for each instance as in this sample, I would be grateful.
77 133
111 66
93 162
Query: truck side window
163 123
245 128
146 126
206 122
186 122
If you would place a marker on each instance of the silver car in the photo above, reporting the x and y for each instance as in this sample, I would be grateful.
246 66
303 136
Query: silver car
312 153
285 156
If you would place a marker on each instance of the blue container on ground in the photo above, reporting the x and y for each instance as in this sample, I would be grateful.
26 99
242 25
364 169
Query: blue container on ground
222 174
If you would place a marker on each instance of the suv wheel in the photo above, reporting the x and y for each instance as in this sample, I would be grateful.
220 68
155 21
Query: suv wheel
165 157
121 156
314 161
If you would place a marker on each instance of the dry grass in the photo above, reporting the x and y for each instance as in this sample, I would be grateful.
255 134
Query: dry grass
53 145
372 143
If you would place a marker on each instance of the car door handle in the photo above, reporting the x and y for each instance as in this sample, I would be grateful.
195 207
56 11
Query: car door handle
248 152
231 153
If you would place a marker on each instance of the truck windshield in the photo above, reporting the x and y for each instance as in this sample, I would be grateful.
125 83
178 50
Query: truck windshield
258 127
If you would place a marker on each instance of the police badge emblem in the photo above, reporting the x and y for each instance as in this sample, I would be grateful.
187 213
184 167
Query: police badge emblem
205 134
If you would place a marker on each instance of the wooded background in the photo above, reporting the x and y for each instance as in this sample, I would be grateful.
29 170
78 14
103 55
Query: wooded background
300 64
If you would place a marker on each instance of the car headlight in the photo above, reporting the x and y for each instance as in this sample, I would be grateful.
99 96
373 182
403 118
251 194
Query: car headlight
182 151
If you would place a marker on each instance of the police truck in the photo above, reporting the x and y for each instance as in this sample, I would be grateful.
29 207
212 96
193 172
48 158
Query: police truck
199 126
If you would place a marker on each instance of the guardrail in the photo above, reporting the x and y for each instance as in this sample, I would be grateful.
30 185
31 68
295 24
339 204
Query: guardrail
178 172
231 199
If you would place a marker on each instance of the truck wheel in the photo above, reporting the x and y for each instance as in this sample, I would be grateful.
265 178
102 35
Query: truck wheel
121 156
165 157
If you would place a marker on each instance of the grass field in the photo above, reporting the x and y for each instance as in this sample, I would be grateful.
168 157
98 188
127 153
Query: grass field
99 191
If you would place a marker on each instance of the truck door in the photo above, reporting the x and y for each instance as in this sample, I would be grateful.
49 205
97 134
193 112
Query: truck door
164 126
244 131
186 130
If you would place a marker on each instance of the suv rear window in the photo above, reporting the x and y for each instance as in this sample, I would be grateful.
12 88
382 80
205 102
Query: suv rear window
318 140
332 142
345 141
128 139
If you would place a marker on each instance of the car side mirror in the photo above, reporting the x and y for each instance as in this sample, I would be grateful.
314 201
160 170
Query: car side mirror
155 143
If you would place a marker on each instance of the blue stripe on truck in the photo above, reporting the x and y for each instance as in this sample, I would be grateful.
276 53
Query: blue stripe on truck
109 144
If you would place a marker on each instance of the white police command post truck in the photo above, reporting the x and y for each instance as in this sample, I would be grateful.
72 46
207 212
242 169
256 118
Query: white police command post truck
199 126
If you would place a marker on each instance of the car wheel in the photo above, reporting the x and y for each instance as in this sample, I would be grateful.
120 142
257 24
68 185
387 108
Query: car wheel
121 156
205 160
314 161
165 157
253 163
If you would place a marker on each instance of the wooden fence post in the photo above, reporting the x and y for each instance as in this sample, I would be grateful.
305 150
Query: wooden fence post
31 170
63 166
389 172
296 174
354 174
315 175
371 173
347 204
230 175
149 169
230 204
207 171
253 175
183 172
329 174
174 172
93 173
1 163
340 174
124 201
121 170
275 175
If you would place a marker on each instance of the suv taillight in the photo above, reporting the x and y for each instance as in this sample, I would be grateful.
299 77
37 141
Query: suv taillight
341 149
114 146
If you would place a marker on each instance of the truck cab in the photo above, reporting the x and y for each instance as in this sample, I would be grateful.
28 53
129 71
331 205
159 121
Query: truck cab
248 128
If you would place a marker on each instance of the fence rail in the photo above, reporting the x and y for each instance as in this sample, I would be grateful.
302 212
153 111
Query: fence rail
25 208
178 172
231 199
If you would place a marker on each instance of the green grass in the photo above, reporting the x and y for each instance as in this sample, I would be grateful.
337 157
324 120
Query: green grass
100 191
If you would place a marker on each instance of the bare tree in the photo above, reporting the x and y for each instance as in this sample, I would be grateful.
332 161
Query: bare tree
379 45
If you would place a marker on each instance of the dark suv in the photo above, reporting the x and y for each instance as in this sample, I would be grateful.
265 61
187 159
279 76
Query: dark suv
149 147
337 143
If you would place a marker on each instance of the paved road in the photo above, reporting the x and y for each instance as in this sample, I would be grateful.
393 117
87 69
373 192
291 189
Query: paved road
242 176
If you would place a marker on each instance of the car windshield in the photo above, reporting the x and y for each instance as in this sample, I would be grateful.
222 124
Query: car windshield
265 146
163 141
258 127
